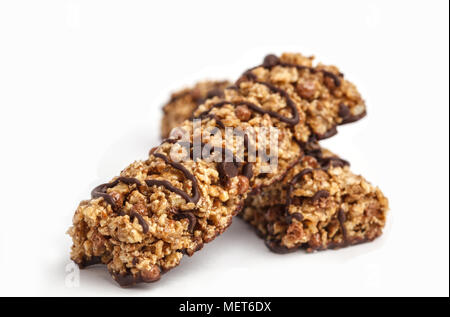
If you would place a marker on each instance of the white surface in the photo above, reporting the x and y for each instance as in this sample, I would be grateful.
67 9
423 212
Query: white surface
81 85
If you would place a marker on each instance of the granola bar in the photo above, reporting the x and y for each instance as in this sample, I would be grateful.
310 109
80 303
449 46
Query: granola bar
325 98
320 204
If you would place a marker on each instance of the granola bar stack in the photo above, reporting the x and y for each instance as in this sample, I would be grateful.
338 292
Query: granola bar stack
297 195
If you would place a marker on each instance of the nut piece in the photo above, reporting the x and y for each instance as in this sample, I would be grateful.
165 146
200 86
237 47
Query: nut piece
243 184
306 89
98 244
140 208
151 275
117 197
152 150
329 82
243 113
314 242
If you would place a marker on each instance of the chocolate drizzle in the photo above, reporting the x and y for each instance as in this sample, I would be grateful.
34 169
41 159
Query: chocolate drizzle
289 200
314 150
141 221
271 61
214 117
189 215
290 188
230 165
289 103
100 191
319 195
291 121
195 192
332 161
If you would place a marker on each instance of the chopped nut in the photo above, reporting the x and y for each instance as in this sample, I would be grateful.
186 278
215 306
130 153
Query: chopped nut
329 82
306 89
151 275
315 242
243 184
118 198
140 208
223 196
98 244
243 113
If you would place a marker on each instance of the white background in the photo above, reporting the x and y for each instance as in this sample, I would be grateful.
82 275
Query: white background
81 85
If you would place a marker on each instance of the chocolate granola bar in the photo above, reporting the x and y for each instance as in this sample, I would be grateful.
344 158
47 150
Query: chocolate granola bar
320 204
325 98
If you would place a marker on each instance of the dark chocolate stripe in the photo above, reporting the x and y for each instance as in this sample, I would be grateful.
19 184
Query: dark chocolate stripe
289 103
300 175
215 92
225 169
290 188
332 161
297 216
140 219
195 192
317 196
100 190
334 77
271 61
189 215
320 194
214 117
169 140
168 186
